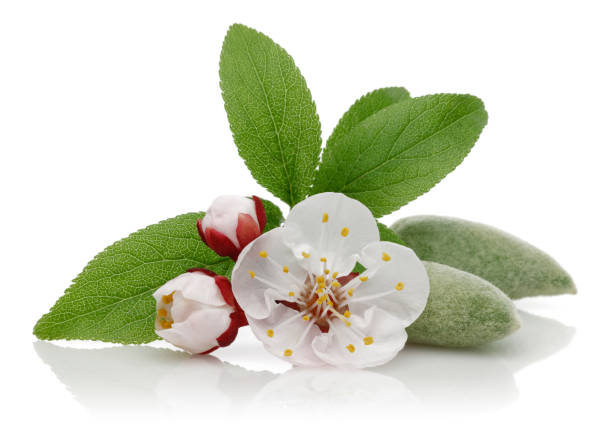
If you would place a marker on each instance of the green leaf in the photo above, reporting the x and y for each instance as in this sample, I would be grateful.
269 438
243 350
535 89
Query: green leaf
514 266
462 310
402 151
274 215
271 113
366 106
387 234
111 299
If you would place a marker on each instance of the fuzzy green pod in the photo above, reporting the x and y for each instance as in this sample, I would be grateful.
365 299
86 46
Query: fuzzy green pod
514 266
462 310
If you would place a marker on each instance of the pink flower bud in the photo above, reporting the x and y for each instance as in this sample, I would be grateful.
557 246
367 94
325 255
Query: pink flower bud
197 312
231 223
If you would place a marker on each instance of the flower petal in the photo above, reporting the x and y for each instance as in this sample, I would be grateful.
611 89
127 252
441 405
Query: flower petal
331 226
397 282
194 286
372 339
285 330
266 271
223 215
199 331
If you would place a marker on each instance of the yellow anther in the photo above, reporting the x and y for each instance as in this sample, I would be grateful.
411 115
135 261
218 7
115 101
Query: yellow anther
350 348
326 271
320 291
347 323
291 294
364 278
386 257
334 275
162 312
344 232
347 313
306 317
368 341
285 269
351 291
323 259
263 254
288 353
167 299
320 279
270 333
166 324
325 218
252 274
335 284
330 303
321 300
305 254
399 286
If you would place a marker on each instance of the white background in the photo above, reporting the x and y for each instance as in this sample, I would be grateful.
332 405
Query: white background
111 119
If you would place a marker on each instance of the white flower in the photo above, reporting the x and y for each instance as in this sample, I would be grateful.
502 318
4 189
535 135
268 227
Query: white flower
301 300
231 223
196 311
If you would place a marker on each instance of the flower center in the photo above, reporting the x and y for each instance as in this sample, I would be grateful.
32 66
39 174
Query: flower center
322 298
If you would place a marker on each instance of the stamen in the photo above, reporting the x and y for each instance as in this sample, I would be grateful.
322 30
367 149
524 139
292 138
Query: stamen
350 292
162 312
335 284
323 259
347 323
306 317
291 294
280 289
305 254
304 334
167 299
350 348
166 324
326 271
325 218
344 232
270 333
320 279
399 286
292 318
347 313
368 341
285 269
386 257
252 274
363 278
371 297
334 275
263 254
288 353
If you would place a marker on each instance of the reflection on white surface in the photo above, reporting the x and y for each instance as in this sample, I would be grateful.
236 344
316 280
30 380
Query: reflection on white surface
148 379
330 392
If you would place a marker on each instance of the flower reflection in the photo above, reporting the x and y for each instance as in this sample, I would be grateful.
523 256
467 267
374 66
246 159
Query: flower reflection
144 379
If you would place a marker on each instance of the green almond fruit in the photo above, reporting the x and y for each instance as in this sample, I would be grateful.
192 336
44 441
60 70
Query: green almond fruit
462 310
514 266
